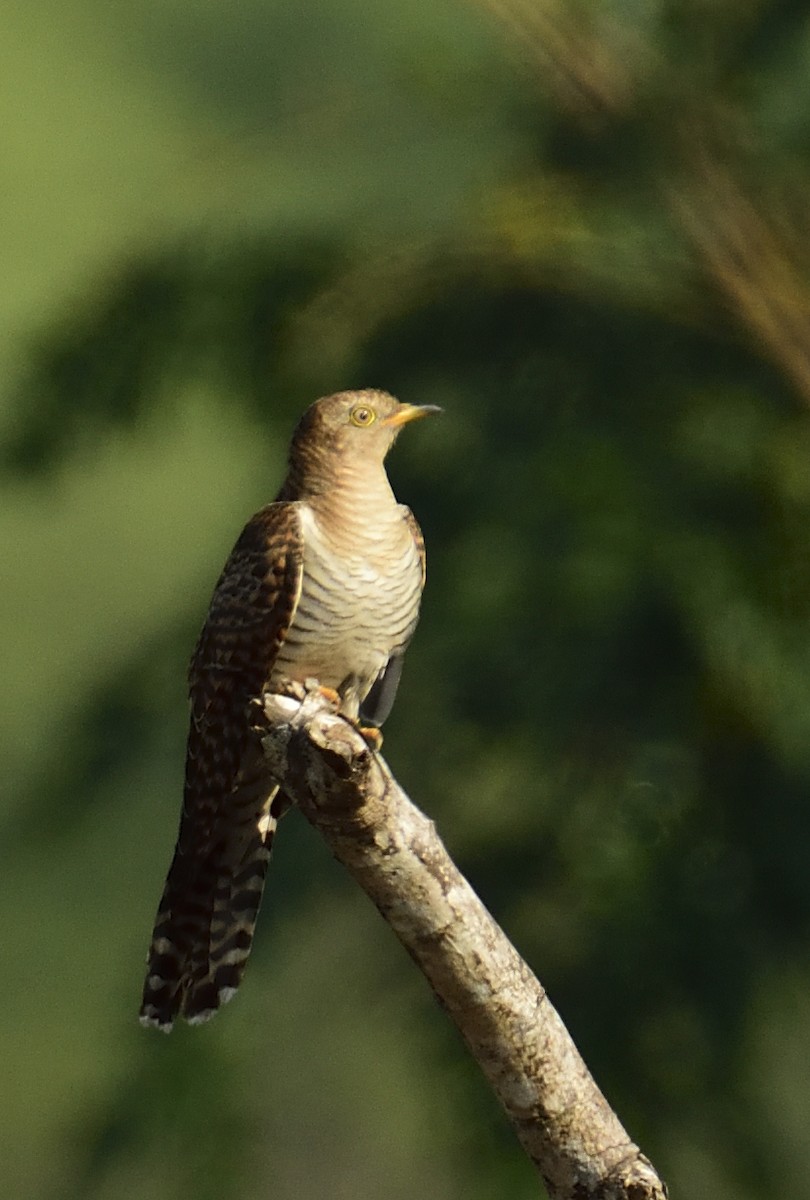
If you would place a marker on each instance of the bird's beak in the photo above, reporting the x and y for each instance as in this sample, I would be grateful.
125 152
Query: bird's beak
410 412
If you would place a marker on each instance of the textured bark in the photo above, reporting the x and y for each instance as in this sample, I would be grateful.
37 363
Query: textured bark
393 851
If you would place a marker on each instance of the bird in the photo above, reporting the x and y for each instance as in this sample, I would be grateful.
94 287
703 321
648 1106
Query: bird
324 584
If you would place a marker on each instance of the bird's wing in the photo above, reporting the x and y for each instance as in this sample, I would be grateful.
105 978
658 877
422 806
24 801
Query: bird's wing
377 705
226 824
251 610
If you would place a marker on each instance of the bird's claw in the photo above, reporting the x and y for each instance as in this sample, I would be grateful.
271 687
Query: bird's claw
291 688
299 691
329 694
311 687
371 735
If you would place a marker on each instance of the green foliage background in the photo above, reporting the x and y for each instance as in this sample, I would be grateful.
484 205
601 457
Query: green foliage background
213 213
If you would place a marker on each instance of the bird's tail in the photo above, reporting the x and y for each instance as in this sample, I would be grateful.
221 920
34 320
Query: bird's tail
205 921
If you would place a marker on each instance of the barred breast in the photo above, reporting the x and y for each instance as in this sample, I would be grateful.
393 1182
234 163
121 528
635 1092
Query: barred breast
358 606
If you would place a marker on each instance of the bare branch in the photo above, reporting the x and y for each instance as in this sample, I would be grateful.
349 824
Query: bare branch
393 851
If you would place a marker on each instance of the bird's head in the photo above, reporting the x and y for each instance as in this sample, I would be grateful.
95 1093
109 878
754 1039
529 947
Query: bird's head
359 427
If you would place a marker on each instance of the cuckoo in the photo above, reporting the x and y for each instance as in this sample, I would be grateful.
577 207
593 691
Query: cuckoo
323 584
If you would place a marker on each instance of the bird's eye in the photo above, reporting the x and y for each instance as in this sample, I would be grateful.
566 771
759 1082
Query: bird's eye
362 415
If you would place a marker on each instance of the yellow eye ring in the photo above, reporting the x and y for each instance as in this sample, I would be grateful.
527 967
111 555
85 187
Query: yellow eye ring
362 415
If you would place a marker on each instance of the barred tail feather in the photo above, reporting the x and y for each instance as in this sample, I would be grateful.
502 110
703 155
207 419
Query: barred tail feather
217 973
204 928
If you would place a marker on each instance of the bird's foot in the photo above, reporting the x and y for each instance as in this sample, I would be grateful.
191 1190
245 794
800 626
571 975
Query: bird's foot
299 691
291 688
329 694
371 735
